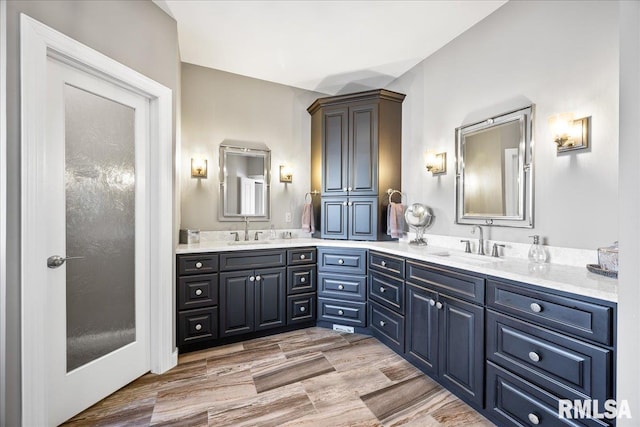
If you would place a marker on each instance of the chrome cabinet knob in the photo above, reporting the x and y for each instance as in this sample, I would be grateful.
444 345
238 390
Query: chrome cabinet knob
341 287
432 302
382 289
198 327
535 357
303 279
535 307
438 305
534 419
303 309
340 261
344 203
252 278
198 264
258 278
382 323
340 312
198 292
349 188
302 256
383 263
344 189
349 203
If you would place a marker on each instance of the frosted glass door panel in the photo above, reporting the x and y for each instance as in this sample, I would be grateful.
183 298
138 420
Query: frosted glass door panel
100 225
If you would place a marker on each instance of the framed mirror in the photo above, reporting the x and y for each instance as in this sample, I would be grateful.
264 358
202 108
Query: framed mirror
245 176
494 171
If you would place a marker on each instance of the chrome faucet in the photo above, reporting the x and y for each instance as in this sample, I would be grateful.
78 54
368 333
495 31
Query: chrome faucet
246 228
480 240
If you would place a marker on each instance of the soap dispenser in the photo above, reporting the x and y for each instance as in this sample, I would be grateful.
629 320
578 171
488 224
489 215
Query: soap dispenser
537 254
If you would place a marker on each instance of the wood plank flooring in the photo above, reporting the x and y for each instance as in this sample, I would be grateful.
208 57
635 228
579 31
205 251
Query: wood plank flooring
310 377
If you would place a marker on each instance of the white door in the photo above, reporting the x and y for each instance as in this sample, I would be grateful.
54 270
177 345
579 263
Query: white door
95 171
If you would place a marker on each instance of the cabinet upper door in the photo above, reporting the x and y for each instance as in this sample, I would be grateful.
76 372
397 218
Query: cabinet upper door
363 218
334 218
335 151
363 150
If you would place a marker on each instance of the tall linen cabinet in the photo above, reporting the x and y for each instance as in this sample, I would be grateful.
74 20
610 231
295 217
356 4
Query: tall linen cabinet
356 155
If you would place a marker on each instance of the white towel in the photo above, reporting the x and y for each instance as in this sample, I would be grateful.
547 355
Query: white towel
395 220
308 223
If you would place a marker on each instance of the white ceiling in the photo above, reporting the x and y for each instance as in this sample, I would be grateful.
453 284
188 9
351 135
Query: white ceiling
326 46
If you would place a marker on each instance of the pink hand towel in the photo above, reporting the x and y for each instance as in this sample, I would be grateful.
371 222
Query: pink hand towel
395 220
308 222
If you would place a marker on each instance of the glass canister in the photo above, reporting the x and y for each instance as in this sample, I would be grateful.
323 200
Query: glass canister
608 257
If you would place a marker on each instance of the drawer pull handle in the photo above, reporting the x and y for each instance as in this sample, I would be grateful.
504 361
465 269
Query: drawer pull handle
302 309
439 305
198 327
535 307
383 263
382 289
340 312
432 302
258 278
198 264
341 287
198 292
534 419
340 261
535 357
252 278
302 256
303 279
382 323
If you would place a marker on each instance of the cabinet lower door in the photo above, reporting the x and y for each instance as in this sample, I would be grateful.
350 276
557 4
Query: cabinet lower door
363 218
236 302
421 332
270 298
461 342
334 218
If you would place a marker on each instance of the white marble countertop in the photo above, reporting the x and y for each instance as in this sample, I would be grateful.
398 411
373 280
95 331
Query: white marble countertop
554 276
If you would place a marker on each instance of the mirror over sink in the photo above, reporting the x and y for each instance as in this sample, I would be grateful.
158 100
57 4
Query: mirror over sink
245 176
494 171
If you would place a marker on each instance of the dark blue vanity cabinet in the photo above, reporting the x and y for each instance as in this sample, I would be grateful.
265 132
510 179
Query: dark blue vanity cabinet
342 286
543 346
445 327
356 157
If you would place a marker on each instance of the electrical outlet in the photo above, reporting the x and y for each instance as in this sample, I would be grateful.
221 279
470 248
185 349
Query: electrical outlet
287 217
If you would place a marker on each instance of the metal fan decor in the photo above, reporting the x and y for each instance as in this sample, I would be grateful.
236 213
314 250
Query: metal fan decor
419 217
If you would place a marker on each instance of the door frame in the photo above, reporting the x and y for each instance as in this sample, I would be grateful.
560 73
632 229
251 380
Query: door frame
3 209
37 43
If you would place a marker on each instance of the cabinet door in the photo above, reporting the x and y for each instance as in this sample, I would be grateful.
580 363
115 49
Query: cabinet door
270 298
461 345
363 218
421 340
334 218
236 302
335 151
363 150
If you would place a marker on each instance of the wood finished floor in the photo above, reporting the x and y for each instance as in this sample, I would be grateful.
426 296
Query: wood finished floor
310 377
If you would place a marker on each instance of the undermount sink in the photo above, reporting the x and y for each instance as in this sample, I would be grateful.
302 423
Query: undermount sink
468 258
249 242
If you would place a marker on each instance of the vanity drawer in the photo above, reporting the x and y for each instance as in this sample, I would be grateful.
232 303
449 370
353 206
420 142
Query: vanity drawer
512 401
197 325
454 283
574 316
387 326
251 259
342 312
197 264
301 256
387 291
350 261
563 365
301 308
342 286
197 291
301 279
388 264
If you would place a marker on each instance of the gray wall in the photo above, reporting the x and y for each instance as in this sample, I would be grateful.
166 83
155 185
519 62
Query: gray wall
135 33
559 55
217 105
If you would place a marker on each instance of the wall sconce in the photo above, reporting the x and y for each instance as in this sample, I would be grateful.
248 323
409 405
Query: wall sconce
436 163
198 167
285 174
568 133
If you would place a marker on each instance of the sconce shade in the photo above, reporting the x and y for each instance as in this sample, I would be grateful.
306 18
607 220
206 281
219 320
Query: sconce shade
285 174
436 163
568 133
198 167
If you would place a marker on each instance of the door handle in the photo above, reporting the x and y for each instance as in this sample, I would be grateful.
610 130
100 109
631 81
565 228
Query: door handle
55 261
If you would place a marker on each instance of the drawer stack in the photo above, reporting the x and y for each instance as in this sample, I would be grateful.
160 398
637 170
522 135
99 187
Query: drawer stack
386 299
342 286
542 347
197 298
301 285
